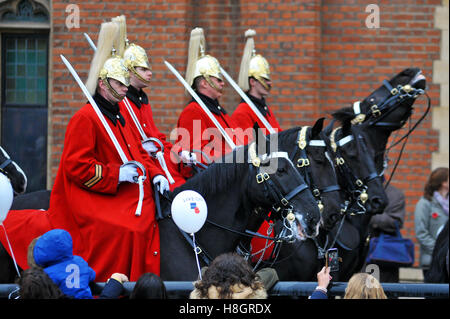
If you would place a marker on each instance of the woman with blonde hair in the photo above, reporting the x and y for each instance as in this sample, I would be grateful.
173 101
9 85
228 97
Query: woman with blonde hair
364 286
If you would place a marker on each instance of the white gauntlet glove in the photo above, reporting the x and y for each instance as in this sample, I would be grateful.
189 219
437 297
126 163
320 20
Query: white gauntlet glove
128 173
149 147
188 157
163 183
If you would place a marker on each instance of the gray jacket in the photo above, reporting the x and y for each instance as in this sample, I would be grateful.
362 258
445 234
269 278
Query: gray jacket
429 218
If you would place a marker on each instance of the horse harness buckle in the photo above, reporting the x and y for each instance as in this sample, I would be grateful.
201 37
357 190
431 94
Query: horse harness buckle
261 177
198 250
302 162
375 111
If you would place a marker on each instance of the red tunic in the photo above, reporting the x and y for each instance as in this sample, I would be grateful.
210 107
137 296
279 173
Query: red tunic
139 103
196 131
88 201
246 118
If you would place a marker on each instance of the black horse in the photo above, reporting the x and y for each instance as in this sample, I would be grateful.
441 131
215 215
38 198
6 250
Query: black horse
299 261
11 170
307 152
234 192
386 110
359 185
244 182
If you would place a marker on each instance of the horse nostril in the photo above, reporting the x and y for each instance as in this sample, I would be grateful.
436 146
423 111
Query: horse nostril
377 204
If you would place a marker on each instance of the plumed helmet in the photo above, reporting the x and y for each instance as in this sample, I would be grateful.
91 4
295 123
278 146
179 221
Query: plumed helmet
106 64
200 64
133 54
252 64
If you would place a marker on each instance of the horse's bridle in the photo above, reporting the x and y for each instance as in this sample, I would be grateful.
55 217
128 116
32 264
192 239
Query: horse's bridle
387 105
378 110
303 163
356 186
281 200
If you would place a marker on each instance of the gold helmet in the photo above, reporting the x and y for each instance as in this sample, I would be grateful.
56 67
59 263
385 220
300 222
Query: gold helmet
133 54
200 64
252 64
106 64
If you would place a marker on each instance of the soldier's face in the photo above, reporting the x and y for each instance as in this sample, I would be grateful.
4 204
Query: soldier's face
216 92
117 86
259 88
145 73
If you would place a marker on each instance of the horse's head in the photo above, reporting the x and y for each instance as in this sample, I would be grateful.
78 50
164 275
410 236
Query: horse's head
279 187
11 170
389 106
308 153
354 161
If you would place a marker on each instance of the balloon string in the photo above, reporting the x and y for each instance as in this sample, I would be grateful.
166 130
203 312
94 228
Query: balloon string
196 257
10 249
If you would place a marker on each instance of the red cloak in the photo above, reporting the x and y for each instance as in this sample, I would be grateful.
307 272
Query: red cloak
89 203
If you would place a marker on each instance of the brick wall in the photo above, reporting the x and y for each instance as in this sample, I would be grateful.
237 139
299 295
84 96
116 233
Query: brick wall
322 56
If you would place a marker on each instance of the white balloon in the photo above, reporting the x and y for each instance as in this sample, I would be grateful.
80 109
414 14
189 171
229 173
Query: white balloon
6 197
189 211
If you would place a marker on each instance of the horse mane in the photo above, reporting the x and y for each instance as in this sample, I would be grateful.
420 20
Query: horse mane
288 137
218 177
344 115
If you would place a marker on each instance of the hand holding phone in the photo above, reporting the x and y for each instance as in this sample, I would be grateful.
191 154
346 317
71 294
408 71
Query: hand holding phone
332 259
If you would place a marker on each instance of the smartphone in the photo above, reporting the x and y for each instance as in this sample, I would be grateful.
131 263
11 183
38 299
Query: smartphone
332 259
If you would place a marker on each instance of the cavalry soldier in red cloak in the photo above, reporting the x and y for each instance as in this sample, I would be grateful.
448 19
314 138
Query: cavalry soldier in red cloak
254 79
138 64
204 76
95 196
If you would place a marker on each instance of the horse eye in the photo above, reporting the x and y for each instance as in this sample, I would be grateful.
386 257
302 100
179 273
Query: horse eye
281 170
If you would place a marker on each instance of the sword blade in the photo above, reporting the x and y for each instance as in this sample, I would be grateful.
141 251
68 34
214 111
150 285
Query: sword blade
94 105
89 40
202 105
248 101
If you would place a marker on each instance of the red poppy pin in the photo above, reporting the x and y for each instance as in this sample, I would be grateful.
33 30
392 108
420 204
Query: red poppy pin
435 215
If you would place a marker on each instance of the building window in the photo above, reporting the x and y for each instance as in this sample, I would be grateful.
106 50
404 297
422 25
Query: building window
24 40
24 103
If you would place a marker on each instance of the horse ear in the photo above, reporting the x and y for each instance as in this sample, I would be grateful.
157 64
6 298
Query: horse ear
346 127
343 115
260 139
317 128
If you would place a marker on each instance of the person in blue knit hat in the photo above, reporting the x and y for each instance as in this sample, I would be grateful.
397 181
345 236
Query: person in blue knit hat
53 252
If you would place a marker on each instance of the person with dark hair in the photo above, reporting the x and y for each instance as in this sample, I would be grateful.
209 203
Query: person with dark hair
229 276
149 286
431 214
36 284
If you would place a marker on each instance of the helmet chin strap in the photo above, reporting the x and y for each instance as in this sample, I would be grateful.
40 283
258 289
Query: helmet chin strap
262 81
211 83
111 90
136 73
